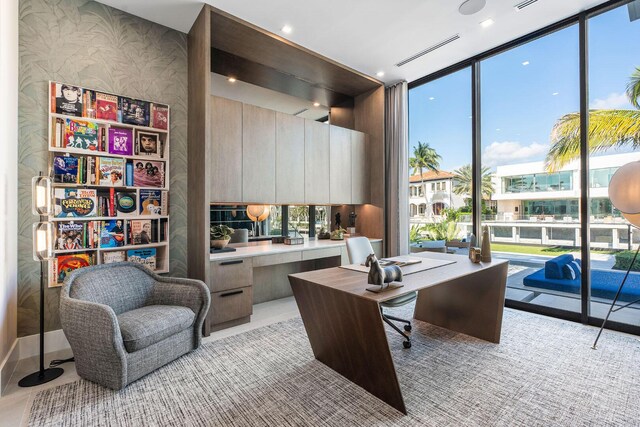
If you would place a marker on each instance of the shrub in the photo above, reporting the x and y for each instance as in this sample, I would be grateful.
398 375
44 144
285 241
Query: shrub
623 260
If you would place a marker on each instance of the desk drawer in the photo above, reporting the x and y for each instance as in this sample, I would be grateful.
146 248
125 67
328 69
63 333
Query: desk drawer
231 274
321 253
231 304
283 258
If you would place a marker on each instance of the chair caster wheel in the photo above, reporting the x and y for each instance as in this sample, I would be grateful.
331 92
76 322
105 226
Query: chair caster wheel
407 328
406 344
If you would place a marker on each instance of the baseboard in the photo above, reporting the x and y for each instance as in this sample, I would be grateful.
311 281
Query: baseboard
8 366
29 346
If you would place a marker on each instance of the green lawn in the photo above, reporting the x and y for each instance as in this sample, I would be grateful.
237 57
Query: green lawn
540 250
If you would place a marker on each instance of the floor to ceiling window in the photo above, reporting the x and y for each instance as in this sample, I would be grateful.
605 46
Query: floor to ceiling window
440 153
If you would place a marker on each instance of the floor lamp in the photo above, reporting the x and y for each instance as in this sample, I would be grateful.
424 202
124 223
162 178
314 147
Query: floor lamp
43 235
624 193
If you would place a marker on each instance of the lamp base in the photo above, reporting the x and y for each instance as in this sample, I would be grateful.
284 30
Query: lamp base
40 377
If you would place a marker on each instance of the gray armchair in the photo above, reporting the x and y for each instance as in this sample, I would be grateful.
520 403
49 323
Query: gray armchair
123 321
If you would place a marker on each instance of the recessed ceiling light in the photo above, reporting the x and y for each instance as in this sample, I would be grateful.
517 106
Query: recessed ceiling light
470 7
525 63
316 104
287 29
232 79
380 73
487 23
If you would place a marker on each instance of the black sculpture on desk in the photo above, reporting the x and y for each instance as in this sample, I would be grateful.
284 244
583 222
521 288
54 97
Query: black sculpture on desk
380 276
338 221
352 219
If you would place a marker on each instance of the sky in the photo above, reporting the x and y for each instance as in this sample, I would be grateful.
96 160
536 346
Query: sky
523 93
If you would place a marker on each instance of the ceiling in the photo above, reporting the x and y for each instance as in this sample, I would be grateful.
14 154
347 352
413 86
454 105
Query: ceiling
374 35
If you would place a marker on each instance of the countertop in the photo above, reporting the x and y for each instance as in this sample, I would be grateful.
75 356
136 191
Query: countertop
268 248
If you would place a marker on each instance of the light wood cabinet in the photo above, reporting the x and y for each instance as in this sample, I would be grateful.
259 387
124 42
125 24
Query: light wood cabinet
316 163
359 169
225 172
290 159
258 155
340 166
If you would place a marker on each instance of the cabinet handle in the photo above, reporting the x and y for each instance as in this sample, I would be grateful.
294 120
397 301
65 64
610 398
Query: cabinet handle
238 261
228 294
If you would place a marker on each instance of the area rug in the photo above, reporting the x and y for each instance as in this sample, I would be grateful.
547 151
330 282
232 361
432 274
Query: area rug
543 373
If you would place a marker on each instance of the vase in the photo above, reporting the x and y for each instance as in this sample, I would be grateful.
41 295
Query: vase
219 244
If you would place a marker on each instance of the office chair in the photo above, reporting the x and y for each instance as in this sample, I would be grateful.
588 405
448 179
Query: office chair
358 249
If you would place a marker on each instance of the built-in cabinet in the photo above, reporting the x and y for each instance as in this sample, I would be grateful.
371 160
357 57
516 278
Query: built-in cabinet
263 156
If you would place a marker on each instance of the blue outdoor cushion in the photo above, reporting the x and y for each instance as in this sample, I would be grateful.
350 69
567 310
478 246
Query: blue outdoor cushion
576 266
553 267
568 272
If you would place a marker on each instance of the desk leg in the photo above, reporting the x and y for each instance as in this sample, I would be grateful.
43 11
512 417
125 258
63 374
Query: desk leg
472 304
347 334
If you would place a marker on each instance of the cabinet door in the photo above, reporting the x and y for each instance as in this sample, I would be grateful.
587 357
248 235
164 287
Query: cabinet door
258 155
316 163
225 174
340 166
289 159
359 169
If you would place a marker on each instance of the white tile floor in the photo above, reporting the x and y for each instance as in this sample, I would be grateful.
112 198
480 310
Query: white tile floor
15 402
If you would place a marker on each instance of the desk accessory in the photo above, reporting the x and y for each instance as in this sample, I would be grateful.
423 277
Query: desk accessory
220 235
382 277
293 240
485 254
222 250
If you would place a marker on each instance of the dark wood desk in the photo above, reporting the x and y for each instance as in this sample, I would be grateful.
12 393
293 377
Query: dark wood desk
346 331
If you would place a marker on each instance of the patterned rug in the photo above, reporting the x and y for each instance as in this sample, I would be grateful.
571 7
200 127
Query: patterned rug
543 373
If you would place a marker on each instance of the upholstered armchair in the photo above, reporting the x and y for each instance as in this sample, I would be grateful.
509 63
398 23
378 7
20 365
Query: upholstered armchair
123 321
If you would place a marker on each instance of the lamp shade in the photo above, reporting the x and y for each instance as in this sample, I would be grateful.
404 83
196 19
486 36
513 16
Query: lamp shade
257 212
43 235
624 188
634 219
41 195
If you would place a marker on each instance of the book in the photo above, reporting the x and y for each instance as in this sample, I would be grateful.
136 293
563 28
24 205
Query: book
126 203
63 265
140 231
66 99
89 104
129 174
121 141
65 169
106 106
146 257
159 116
74 202
57 132
134 111
81 134
148 174
148 144
112 233
71 236
111 171
113 256
153 202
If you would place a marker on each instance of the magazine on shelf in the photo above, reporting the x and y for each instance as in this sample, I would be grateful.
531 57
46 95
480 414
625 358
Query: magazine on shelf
111 171
146 257
106 106
71 236
153 202
134 111
66 99
113 256
126 204
159 116
148 144
112 233
65 169
148 173
121 141
62 265
81 134
74 202
140 231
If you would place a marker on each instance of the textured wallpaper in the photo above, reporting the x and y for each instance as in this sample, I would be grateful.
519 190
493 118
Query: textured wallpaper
93 45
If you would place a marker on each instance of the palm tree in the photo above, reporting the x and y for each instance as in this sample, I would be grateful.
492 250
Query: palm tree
424 157
607 129
463 181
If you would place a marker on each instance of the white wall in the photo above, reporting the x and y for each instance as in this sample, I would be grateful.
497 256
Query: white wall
8 183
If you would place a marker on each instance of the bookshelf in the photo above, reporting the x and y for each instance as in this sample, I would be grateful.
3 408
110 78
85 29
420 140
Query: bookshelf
110 168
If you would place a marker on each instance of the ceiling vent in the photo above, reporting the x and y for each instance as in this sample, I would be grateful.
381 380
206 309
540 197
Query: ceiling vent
428 50
524 4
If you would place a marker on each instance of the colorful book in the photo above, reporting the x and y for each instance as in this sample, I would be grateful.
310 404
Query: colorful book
106 106
111 171
75 202
66 99
112 233
121 141
81 134
153 202
148 144
140 231
159 116
71 236
65 169
146 257
134 111
126 203
113 256
148 173
129 174
63 265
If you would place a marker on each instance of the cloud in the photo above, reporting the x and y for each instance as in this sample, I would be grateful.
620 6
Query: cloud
614 101
509 152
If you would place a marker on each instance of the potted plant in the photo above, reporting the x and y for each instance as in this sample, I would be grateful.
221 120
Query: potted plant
338 234
220 235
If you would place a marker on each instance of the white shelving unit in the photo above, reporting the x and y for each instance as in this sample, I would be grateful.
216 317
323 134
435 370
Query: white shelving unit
160 221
